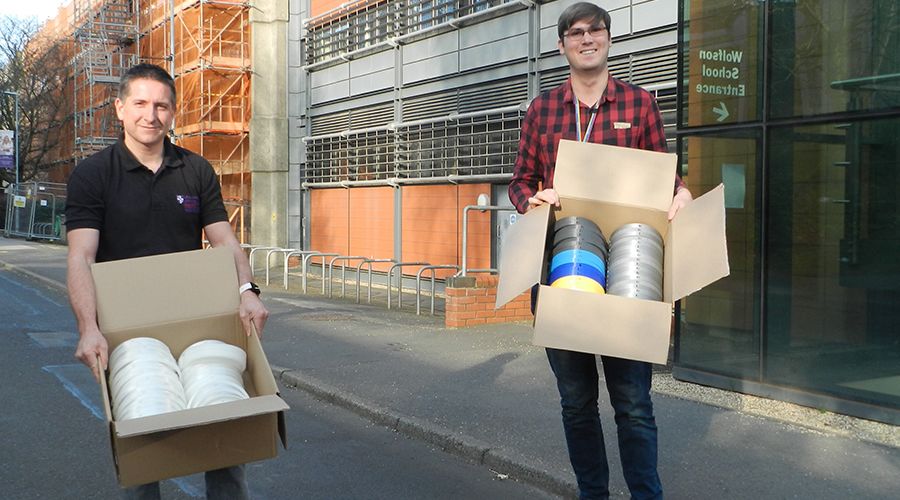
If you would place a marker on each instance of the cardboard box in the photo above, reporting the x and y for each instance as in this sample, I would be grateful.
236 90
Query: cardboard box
180 299
614 186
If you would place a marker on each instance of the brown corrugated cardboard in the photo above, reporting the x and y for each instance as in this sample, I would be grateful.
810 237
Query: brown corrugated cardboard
614 186
180 299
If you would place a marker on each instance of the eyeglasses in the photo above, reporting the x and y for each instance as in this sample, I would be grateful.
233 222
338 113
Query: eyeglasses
577 34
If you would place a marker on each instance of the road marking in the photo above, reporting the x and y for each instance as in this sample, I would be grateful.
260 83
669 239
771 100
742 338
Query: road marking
75 379
54 339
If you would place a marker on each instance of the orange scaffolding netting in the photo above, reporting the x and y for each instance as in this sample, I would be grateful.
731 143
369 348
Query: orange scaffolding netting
205 44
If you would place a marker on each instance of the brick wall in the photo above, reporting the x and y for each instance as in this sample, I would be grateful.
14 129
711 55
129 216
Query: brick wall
475 305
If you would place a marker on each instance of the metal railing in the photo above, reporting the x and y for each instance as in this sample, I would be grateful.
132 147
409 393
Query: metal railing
465 235
358 280
302 254
400 266
35 210
433 269
342 258
307 258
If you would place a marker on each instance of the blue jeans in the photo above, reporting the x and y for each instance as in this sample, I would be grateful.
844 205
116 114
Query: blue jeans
628 383
221 484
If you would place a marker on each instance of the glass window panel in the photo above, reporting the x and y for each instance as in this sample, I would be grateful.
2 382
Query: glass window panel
721 62
833 290
719 331
833 56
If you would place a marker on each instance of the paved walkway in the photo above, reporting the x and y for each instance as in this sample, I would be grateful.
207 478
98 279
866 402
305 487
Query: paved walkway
488 395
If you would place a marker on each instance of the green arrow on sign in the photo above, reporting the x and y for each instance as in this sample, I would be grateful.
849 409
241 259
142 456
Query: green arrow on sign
721 112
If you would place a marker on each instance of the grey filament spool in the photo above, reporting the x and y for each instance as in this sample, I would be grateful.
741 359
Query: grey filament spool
635 262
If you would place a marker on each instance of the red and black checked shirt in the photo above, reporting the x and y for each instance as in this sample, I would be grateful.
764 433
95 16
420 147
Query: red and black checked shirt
551 117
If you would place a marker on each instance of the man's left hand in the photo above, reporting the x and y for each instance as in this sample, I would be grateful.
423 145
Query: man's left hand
253 311
682 198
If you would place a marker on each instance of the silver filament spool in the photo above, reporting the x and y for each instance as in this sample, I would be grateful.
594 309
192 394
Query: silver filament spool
635 262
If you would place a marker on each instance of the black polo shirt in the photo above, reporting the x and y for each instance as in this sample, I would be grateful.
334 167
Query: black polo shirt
140 213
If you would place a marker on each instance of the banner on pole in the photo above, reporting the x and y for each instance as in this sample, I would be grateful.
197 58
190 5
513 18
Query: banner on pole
7 150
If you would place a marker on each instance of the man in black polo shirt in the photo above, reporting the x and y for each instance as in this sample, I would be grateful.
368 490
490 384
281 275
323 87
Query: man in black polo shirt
145 196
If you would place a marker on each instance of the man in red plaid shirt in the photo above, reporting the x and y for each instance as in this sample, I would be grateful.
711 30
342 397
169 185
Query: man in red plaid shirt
608 111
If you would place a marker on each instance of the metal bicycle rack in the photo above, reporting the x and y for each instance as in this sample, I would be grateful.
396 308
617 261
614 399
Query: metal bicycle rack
399 265
254 249
306 258
302 254
358 280
419 283
343 272
269 255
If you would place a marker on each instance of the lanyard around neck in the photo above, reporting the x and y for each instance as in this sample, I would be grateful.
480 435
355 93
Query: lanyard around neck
590 127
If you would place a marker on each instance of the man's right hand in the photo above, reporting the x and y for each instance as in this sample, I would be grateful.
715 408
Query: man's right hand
546 196
92 345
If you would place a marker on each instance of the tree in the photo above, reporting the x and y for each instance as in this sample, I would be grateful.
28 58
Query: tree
35 63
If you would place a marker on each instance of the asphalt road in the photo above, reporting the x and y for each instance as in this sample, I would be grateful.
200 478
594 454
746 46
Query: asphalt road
55 443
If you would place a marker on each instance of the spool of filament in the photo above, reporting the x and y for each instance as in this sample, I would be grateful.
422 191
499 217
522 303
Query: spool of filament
579 256
586 270
636 262
578 283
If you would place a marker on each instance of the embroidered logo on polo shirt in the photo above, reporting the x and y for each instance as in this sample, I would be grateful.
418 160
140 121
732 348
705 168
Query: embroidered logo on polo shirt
190 203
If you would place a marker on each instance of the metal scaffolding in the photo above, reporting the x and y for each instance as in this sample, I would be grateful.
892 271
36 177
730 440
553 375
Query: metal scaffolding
105 33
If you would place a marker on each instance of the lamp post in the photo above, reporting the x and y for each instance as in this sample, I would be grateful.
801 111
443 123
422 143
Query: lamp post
16 96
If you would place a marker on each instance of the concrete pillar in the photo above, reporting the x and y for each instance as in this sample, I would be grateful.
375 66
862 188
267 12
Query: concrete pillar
269 122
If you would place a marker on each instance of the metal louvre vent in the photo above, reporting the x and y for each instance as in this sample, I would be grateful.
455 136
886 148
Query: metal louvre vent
378 115
330 123
499 95
469 144
429 106
338 33
654 68
552 79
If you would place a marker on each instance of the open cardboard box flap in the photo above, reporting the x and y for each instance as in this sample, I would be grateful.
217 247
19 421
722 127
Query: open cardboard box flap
165 288
522 261
615 175
697 246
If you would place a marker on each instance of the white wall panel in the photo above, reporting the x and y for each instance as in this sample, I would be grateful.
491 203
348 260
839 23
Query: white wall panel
373 63
621 22
654 14
549 37
373 81
493 53
430 47
330 75
444 65
331 92
490 31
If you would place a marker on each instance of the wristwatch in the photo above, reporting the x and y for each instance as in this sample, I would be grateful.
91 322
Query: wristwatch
249 286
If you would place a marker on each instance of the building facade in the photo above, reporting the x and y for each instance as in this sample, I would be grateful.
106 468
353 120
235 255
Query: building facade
399 114
402 113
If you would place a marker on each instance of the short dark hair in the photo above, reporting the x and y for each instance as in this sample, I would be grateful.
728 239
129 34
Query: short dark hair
149 72
579 12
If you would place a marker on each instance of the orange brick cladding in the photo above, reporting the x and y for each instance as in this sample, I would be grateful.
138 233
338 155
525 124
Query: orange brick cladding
475 306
